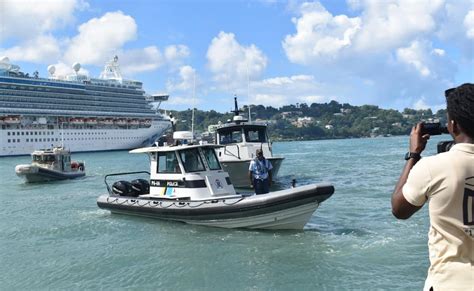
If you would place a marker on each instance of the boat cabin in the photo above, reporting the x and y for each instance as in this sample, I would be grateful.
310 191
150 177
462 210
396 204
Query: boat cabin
240 140
186 171
56 158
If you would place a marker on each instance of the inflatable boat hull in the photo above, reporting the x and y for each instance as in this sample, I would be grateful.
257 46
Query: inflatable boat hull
285 209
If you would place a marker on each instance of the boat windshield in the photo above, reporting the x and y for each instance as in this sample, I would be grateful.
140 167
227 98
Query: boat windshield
211 159
43 158
230 136
255 134
168 163
191 160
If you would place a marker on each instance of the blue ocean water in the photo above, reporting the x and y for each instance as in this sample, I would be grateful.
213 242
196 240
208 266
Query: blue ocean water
53 235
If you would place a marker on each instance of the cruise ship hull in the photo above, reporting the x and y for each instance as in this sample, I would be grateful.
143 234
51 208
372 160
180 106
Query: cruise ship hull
23 141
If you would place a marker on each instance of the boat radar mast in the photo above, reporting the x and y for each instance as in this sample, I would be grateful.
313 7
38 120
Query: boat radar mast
112 70
237 117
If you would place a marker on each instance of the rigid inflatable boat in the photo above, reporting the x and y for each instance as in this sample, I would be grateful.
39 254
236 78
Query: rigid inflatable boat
188 184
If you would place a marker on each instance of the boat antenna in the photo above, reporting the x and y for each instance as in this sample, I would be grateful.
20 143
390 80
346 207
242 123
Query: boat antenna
192 114
248 91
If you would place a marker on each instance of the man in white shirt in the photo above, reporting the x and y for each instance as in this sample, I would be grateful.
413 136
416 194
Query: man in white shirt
446 182
260 173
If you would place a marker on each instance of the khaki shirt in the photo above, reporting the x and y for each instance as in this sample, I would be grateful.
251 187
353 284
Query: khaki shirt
447 181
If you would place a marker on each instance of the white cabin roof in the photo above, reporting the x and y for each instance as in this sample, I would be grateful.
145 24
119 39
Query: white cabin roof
172 148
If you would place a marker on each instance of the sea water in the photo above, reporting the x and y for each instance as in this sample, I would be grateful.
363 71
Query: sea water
53 235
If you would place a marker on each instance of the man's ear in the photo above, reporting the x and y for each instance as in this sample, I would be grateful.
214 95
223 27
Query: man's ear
455 126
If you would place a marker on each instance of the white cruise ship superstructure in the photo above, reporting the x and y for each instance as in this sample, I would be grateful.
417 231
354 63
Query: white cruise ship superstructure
78 112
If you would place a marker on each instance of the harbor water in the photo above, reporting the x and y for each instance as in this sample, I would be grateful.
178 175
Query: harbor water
54 237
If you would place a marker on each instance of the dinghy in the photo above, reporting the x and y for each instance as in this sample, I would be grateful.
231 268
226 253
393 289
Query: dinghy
188 184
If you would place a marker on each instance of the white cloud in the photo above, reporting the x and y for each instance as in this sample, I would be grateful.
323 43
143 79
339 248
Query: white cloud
140 60
175 54
274 100
287 90
187 75
43 48
414 56
26 19
319 34
469 24
315 99
231 63
100 38
420 104
393 23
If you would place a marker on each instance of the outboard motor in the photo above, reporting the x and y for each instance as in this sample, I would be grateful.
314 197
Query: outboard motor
123 188
140 186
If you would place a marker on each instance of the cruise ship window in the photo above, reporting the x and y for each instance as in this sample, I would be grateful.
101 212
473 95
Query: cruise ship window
36 140
18 133
27 133
13 133
8 133
22 133
8 140
18 140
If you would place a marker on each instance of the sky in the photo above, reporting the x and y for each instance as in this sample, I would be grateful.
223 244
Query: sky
395 54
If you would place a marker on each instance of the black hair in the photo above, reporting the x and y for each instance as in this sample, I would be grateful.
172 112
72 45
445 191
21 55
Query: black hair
460 106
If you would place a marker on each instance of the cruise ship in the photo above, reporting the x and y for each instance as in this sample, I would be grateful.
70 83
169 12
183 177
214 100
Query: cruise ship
75 111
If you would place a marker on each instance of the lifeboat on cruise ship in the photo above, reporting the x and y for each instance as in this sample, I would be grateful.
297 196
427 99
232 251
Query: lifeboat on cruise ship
106 121
133 122
63 120
90 121
188 184
77 121
121 121
12 119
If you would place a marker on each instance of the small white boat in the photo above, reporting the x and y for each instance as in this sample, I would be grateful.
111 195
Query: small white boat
188 184
50 165
240 139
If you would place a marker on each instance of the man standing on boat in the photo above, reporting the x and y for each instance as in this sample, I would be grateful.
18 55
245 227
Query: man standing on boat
446 182
260 173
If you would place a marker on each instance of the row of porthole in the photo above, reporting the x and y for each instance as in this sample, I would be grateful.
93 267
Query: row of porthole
69 139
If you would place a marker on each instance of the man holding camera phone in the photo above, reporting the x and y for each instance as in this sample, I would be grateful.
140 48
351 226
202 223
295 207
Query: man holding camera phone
445 180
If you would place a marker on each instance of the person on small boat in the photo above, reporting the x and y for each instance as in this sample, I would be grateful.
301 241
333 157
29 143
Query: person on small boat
260 173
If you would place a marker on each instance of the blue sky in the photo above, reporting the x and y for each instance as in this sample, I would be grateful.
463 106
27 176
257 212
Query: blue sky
390 53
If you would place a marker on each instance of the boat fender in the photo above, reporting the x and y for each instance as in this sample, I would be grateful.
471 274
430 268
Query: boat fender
140 186
122 188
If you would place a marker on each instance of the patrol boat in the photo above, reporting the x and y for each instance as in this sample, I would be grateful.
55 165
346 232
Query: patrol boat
188 184
49 165
240 139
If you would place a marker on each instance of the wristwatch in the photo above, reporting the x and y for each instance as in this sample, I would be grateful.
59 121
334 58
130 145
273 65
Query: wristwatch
415 156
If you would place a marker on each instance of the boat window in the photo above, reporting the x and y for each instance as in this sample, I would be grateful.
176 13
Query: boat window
230 136
211 159
255 135
168 163
191 160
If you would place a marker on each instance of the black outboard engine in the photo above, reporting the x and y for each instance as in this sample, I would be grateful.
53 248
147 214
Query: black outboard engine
140 186
123 188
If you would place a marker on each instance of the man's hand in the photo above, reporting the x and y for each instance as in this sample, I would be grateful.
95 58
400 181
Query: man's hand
417 140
